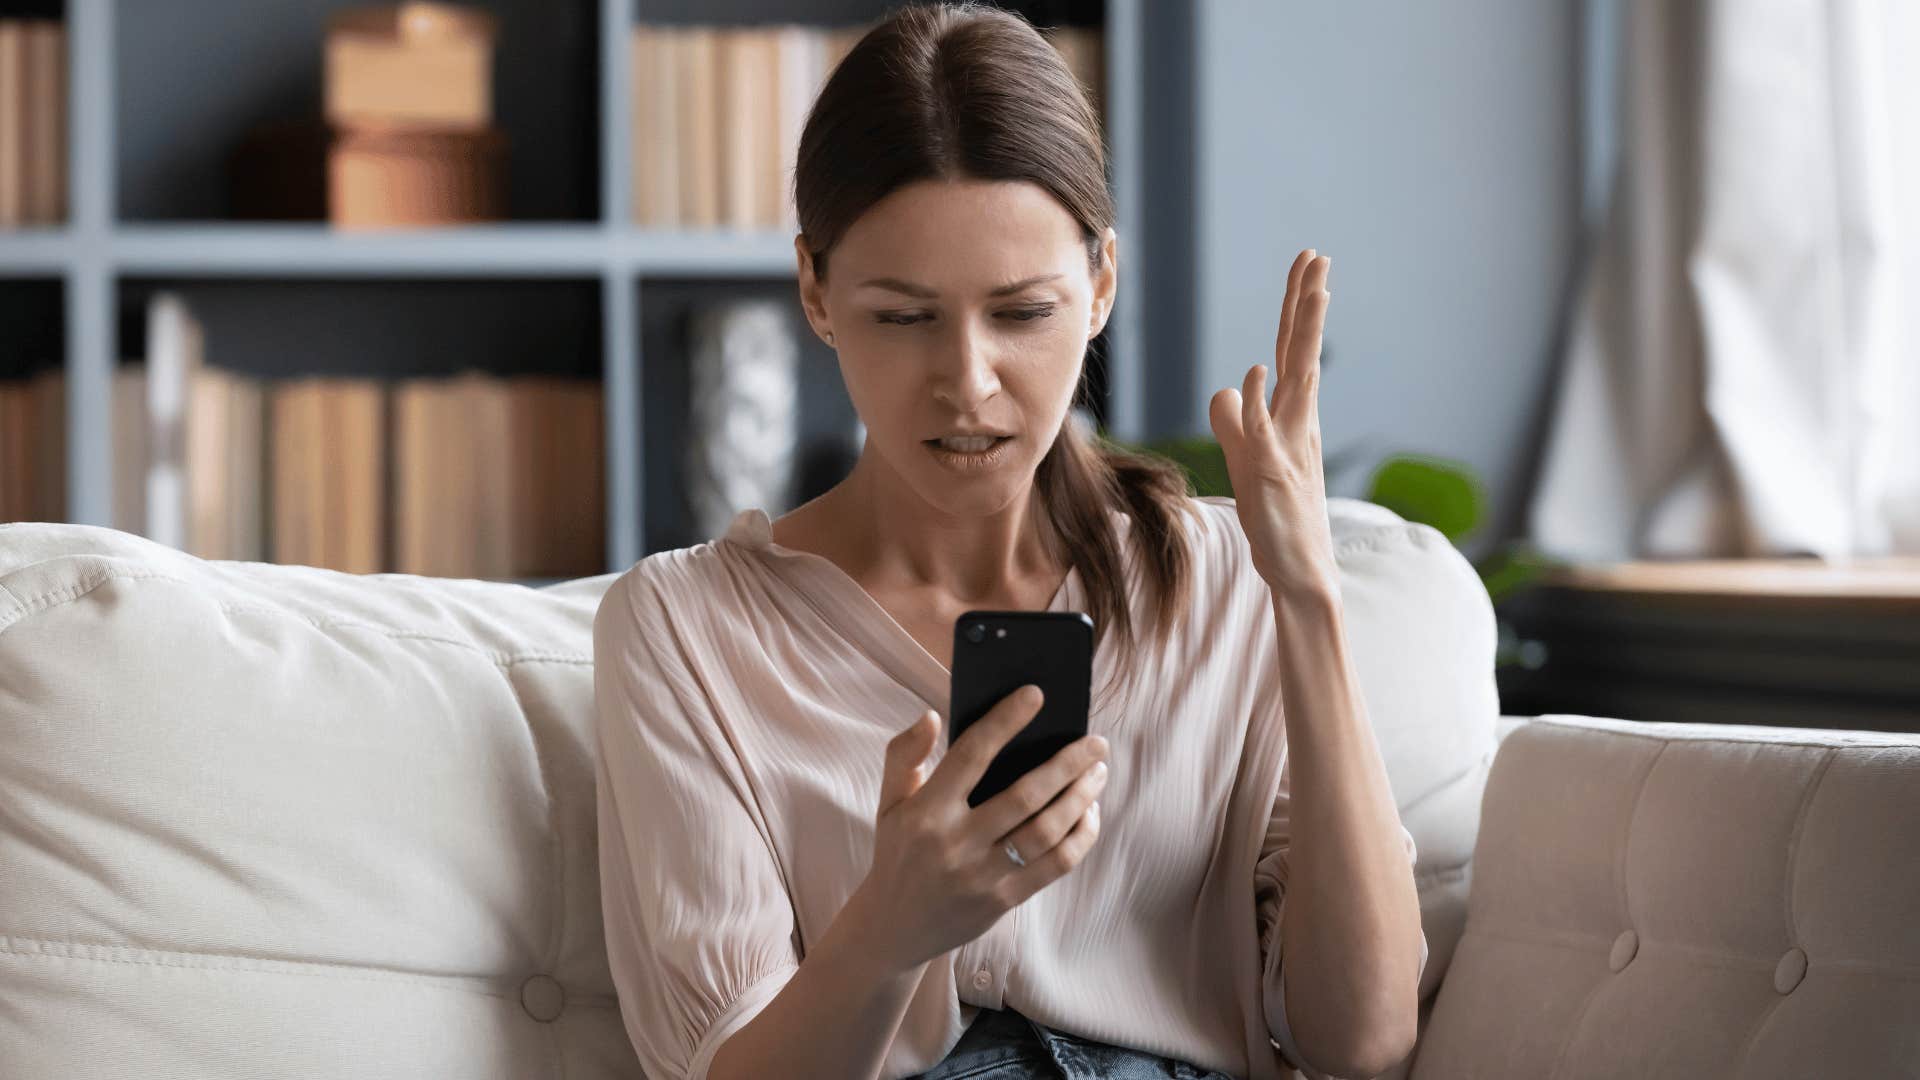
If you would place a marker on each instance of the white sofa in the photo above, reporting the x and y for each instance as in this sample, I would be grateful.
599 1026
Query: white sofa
265 821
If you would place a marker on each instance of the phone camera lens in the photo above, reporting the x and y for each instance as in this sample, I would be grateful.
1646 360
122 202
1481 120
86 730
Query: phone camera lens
977 633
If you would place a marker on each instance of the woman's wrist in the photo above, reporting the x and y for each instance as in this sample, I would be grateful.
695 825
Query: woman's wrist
860 932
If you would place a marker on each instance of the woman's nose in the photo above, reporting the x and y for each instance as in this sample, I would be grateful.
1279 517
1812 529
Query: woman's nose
966 375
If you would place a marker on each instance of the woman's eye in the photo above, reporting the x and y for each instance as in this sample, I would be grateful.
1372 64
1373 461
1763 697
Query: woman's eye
1018 315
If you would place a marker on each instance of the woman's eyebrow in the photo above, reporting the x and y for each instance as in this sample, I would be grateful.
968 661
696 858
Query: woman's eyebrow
911 289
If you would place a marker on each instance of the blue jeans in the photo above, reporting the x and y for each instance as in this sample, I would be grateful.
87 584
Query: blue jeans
1005 1045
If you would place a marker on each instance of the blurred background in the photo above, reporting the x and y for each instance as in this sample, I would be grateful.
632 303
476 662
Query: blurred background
1623 289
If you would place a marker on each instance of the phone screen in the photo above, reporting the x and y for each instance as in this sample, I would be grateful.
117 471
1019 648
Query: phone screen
996 653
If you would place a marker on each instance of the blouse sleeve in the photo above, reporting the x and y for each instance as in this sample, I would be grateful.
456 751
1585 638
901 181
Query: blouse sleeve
699 923
1270 894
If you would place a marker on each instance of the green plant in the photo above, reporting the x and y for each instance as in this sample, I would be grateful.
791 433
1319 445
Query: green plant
1439 492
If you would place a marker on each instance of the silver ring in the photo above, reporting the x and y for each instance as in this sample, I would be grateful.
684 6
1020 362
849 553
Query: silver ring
1014 854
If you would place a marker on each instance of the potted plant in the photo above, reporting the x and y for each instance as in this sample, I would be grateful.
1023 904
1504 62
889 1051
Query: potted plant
1439 492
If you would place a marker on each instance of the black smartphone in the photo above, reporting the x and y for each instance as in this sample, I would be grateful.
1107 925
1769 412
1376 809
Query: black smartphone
998 652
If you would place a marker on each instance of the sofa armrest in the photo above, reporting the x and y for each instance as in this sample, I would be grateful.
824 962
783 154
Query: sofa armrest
1688 899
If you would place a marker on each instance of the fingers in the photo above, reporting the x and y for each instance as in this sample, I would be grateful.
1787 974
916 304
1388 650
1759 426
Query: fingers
1254 418
1224 412
1040 833
1028 795
907 753
1289 307
1294 392
967 759
1046 867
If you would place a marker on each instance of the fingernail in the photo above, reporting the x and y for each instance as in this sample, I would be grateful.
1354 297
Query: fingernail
1093 813
1034 693
1100 770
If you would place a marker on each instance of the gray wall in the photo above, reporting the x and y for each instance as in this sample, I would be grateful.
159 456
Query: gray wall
1434 151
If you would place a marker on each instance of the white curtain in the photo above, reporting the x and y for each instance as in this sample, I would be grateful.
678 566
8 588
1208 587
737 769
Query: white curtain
1743 367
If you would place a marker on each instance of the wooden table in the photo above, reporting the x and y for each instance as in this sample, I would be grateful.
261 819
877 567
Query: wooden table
1796 642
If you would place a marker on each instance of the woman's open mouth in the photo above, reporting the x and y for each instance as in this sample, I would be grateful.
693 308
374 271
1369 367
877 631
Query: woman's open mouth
981 452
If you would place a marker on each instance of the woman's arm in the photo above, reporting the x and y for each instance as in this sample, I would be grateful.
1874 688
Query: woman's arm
1351 921
1350 924
837 1016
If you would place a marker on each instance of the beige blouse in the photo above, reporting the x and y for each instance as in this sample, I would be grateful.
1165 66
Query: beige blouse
745 695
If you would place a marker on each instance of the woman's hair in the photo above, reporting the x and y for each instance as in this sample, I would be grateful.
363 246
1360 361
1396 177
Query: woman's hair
966 91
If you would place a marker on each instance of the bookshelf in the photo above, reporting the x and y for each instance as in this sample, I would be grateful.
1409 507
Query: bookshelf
158 94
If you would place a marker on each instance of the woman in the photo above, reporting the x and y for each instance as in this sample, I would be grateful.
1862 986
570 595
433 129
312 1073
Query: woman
793 882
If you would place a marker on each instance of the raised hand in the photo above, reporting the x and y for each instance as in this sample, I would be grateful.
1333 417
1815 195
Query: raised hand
1272 446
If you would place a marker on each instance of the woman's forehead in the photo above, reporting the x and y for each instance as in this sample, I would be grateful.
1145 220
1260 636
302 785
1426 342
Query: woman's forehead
969 237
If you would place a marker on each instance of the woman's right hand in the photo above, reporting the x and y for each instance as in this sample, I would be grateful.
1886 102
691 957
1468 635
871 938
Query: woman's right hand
941 876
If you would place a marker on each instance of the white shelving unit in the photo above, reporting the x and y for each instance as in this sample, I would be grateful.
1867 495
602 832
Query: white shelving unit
97 250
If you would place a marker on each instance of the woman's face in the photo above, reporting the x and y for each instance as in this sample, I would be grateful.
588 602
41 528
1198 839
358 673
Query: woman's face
956 306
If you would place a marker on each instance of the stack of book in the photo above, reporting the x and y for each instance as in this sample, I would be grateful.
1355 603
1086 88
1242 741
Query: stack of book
33 122
471 475
33 450
717 116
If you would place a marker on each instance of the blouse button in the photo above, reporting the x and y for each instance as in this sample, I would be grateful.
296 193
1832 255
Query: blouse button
983 978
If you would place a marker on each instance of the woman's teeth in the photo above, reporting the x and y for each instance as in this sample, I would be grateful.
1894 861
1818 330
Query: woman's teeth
969 445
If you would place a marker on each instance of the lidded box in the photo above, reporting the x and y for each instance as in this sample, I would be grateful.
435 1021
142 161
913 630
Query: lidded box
414 64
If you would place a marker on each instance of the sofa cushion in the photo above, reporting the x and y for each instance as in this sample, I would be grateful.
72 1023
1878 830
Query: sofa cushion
1423 635
1688 900
273 820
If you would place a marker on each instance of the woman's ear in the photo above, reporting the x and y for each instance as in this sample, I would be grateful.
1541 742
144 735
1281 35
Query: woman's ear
1106 283
812 293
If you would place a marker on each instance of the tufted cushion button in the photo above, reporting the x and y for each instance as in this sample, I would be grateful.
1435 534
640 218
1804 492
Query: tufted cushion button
543 998
1790 970
1624 947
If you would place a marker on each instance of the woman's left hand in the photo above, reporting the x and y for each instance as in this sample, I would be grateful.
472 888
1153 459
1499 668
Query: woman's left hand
1273 447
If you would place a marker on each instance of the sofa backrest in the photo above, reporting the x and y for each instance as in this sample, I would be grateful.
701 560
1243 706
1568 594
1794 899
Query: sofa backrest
258 819
271 820
1688 900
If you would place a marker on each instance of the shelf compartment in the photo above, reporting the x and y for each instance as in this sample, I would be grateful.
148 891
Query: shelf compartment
452 428
826 425
33 405
192 79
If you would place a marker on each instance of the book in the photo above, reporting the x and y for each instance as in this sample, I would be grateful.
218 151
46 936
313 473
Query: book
412 434
49 409
699 125
746 111
130 448
801 60
204 456
246 468
656 122
16 436
44 186
13 135
352 467
484 473
295 423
